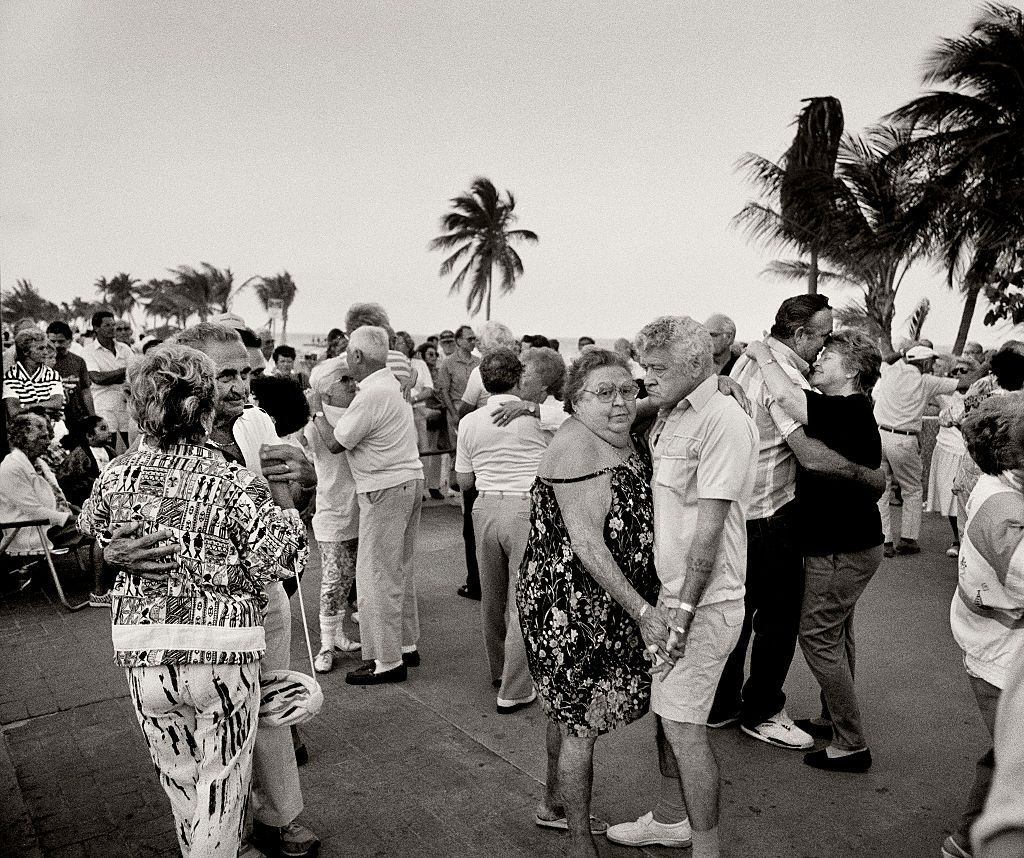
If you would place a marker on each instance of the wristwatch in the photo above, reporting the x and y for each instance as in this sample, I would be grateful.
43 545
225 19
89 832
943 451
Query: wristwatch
318 414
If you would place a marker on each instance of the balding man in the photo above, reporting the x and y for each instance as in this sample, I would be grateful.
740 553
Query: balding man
378 434
723 335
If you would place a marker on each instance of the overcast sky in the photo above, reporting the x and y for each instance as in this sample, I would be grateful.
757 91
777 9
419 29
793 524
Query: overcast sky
326 139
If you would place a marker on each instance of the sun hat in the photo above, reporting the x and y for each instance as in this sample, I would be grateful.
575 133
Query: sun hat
920 353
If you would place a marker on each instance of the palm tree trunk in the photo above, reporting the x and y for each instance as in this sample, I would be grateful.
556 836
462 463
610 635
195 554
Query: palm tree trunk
284 326
970 305
490 274
812 273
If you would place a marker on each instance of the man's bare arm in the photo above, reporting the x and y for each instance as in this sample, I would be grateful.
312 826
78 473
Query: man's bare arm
817 457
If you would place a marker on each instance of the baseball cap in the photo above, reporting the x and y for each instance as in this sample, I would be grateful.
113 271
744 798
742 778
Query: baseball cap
447 335
230 320
920 353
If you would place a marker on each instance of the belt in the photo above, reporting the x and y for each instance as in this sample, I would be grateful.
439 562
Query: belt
911 432
498 494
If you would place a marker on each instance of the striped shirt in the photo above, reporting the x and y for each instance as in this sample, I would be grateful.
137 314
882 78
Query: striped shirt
32 389
987 614
775 483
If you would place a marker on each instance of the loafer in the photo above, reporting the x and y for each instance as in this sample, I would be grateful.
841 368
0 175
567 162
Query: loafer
411 659
888 549
365 675
647 831
813 728
290 841
507 707
855 763
908 546
467 593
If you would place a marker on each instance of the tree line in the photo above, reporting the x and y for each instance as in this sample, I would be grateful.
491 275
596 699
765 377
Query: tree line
185 295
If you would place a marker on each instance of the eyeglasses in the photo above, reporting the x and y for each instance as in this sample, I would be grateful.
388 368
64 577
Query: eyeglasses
607 392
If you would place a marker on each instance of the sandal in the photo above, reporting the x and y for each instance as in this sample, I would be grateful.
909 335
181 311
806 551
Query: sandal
597 826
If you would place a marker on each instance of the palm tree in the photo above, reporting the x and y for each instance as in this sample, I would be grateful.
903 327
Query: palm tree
163 299
878 226
24 301
118 293
478 227
280 287
971 138
209 289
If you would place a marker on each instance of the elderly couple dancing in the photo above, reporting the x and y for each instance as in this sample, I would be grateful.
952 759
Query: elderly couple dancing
602 593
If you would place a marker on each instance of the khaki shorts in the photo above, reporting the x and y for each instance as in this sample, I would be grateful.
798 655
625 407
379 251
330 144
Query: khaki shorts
685 695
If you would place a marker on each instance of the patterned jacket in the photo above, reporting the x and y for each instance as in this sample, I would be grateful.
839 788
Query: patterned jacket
233 540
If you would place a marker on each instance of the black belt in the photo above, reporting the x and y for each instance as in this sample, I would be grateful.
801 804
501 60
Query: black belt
911 432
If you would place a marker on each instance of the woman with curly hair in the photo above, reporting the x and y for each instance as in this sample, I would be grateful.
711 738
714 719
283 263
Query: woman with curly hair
191 640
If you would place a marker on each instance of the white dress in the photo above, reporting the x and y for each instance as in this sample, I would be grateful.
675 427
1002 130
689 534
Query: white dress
948 456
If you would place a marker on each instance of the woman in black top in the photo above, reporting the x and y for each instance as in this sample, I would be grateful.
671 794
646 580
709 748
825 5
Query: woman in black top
841 528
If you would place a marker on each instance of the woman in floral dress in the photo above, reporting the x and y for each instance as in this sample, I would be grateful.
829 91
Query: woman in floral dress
587 586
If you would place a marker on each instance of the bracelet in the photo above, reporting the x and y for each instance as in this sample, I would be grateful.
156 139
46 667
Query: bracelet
643 610
686 606
768 362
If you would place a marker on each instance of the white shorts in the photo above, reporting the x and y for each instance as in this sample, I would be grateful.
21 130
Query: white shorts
686 693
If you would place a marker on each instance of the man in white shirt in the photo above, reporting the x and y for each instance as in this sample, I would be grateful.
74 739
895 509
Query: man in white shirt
540 389
501 464
901 396
107 360
705 458
378 434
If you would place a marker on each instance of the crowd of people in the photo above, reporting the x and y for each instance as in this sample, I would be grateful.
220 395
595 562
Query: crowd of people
635 522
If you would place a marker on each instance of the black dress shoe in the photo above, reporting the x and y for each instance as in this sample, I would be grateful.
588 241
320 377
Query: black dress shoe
495 683
365 675
855 763
813 728
411 659
436 494
466 593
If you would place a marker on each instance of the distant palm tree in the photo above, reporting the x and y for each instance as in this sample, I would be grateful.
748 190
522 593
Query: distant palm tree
971 139
164 300
478 227
118 293
279 287
878 227
24 301
208 288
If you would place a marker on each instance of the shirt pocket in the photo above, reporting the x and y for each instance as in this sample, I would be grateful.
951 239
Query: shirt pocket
679 459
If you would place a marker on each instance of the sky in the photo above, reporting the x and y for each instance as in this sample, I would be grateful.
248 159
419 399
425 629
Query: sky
326 139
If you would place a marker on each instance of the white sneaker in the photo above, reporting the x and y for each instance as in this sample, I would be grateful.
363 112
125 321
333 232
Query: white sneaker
647 831
343 643
354 616
780 730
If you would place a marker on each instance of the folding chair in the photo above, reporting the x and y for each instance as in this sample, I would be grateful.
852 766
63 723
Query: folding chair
9 529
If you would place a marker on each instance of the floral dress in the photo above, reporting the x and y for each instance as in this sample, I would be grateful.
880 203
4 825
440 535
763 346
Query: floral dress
585 652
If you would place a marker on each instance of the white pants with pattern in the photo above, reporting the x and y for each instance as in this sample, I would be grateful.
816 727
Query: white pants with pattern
199 722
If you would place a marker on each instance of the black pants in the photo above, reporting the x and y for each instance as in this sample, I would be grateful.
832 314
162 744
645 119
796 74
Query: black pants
469 537
775 591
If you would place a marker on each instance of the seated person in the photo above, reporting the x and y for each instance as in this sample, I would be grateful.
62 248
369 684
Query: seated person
90 446
29 491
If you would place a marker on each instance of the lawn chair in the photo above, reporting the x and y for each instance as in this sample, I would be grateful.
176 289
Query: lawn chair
8 530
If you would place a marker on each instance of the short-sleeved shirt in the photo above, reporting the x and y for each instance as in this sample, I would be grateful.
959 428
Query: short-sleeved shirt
75 377
453 375
475 393
902 394
552 414
108 397
31 388
706 449
775 485
839 517
379 435
503 458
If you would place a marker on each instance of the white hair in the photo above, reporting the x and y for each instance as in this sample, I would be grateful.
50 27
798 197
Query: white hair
686 339
496 335
372 342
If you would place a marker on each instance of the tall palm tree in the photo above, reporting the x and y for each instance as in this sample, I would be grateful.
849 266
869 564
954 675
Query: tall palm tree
478 228
208 288
24 301
279 287
118 293
164 300
879 223
971 138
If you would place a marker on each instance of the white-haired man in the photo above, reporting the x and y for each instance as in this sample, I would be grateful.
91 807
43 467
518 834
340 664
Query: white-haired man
246 434
378 433
705 457
723 334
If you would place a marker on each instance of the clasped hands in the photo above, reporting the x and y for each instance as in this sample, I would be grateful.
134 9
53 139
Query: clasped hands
664 631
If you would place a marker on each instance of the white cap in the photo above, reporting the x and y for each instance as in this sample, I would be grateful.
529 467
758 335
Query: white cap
920 353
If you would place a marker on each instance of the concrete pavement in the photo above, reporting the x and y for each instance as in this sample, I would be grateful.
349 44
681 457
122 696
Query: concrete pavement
427 768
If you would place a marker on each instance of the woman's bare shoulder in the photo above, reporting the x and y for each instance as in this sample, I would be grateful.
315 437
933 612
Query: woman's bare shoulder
574 452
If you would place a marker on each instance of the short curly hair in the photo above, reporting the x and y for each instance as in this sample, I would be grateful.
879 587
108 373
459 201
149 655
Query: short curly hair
366 313
578 373
687 339
500 370
18 428
860 355
994 433
173 394
549 366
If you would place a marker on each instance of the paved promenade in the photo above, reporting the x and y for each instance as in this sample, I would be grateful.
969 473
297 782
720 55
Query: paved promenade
427 768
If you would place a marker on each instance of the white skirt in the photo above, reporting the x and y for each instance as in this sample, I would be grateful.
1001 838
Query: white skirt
949 453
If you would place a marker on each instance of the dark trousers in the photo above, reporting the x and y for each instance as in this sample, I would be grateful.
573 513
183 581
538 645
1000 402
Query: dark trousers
469 537
987 696
775 590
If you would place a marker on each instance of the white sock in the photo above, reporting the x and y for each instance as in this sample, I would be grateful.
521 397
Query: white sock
329 626
408 649
383 667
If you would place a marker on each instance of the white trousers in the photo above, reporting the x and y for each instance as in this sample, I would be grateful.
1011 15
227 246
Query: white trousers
199 722
901 460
